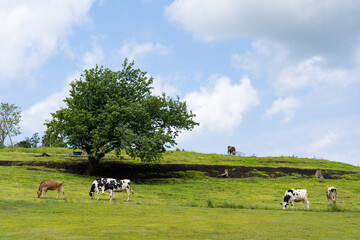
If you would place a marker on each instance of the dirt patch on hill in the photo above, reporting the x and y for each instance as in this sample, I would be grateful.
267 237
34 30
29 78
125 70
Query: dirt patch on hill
148 171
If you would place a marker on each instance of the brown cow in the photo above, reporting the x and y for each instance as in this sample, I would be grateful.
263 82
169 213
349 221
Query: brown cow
51 185
231 150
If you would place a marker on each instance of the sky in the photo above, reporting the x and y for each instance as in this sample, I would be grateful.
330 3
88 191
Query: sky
270 77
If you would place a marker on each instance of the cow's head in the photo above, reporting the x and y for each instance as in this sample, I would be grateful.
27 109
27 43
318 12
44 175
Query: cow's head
286 199
284 204
91 194
38 193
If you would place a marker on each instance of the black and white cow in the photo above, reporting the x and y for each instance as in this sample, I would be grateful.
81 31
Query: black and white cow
331 194
111 185
295 195
97 185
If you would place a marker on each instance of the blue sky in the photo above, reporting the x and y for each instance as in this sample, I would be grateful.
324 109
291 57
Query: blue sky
271 77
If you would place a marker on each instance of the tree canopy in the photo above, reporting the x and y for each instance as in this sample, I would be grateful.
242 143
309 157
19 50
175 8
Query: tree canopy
109 110
10 115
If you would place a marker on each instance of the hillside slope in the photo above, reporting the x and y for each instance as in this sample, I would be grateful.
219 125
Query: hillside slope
176 162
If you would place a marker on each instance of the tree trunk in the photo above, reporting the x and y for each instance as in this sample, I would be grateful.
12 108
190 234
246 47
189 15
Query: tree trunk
92 166
225 174
318 174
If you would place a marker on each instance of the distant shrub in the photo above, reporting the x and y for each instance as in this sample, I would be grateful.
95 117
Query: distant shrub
23 144
209 203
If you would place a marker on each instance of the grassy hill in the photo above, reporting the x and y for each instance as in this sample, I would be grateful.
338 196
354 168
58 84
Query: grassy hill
183 157
185 205
174 161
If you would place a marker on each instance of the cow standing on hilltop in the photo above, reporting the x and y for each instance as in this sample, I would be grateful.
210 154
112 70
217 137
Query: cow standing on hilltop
231 150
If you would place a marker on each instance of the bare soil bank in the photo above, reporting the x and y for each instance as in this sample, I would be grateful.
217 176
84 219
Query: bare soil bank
148 171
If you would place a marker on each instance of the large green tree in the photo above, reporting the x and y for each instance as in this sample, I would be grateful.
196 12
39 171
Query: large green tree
109 110
10 117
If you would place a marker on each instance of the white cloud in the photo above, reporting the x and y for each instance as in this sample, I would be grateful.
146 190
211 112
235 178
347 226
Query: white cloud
246 61
314 24
221 105
286 106
91 58
312 79
134 51
34 117
160 85
31 31
323 143
265 57
311 73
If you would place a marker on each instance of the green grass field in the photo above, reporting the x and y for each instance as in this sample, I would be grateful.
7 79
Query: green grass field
191 207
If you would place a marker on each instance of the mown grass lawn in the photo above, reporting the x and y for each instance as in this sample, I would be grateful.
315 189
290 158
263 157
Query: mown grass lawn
192 207
56 220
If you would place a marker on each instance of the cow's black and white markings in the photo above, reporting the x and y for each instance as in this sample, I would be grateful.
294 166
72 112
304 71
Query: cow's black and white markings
97 185
331 194
111 185
295 195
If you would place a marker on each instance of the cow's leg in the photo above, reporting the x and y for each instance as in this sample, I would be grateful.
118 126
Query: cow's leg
111 195
98 192
128 194
62 191
306 203
45 193
58 192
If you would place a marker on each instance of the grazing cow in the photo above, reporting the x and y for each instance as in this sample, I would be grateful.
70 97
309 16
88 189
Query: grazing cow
97 185
51 185
111 185
295 195
231 150
331 194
